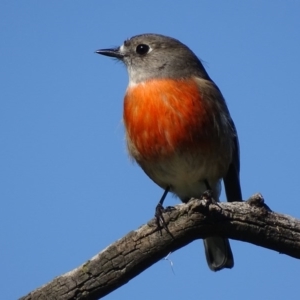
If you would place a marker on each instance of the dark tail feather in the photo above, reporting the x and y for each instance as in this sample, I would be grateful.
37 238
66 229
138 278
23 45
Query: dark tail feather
218 253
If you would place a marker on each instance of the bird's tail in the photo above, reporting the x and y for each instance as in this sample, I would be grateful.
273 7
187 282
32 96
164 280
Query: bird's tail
218 253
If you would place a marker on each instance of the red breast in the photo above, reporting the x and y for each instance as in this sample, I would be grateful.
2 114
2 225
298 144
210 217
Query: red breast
166 115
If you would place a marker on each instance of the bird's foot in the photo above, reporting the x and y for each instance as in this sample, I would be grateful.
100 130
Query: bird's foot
208 197
160 221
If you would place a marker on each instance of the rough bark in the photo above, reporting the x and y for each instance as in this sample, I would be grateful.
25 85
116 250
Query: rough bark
251 221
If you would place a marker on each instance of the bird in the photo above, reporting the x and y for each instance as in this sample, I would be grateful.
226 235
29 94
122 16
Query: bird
178 127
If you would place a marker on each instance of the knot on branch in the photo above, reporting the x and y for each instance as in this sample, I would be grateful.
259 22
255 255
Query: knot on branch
257 200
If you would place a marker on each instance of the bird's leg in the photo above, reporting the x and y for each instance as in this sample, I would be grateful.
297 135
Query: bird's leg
163 197
160 209
208 194
208 188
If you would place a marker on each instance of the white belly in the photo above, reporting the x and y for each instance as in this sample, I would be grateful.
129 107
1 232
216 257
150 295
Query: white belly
185 174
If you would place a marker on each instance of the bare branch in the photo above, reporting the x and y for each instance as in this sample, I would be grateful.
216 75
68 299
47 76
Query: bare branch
250 221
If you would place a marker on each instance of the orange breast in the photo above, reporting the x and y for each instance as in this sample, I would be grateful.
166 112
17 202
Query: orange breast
164 116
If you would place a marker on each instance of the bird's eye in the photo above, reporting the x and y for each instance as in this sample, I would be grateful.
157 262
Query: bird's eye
142 49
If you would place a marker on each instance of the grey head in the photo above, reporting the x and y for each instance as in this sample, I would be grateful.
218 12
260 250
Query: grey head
149 56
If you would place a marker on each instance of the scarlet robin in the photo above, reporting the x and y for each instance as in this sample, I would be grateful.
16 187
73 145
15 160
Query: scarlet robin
178 127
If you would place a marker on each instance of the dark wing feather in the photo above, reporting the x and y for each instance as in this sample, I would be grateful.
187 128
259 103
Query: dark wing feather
232 178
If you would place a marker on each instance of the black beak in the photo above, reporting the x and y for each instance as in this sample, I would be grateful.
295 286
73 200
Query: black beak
111 52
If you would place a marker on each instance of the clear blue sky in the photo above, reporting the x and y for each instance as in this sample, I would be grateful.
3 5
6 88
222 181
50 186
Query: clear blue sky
67 187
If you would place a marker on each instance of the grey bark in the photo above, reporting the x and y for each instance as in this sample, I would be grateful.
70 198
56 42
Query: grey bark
251 221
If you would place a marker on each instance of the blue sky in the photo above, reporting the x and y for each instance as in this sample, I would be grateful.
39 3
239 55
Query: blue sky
67 187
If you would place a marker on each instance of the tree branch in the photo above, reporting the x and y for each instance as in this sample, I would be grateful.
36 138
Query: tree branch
251 221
